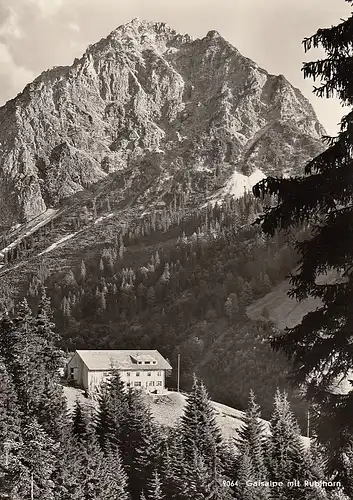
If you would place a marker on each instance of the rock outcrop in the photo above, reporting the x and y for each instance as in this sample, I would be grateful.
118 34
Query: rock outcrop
198 108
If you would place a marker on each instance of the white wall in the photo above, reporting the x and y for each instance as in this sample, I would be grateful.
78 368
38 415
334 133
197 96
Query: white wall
80 372
153 382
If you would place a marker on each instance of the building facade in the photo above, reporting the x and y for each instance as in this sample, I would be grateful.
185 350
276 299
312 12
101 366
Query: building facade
139 369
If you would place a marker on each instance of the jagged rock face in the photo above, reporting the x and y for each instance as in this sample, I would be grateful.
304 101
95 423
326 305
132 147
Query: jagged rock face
199 106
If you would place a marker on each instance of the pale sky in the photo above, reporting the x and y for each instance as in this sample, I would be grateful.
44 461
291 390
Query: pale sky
38 34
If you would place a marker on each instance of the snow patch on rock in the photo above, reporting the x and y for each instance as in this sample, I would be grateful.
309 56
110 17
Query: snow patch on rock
239 183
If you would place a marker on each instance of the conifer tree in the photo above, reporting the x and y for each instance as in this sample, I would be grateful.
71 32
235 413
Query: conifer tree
247 476
52 412
112 410
228 458
10 434
314 473
45 325
105 421
174 470
202 443
79 427
154 490
136 429
231 306
92 469
321 200
37 457
115 478
83 271
199 428
286 449
20 345
203 482
148 454
68 471
251 438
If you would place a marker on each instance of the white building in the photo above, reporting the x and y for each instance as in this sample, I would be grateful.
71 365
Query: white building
140 369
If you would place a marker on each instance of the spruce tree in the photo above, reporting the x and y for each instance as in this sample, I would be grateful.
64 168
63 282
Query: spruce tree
198 483
112 410
286 450
105 420
10 434
198 425
247 476
52 412
138 431
50 354
91 469
148 453
68 471
251 438
115 478
203 482
320 200
20 345
79 425
37 457
154 489
202 441
27 345
314 473
174 469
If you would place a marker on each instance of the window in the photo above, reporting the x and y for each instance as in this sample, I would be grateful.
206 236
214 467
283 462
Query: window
128 384
154 362
72 373
152 383
137 374
159 382
159 374
147 362
140 362
148 374
137 384
128 374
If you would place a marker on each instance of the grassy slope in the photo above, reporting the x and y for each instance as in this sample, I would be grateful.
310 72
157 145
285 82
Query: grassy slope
283 310
168 408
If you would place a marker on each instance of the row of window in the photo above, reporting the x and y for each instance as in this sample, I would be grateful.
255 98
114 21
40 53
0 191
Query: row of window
139 384
128 374
149 374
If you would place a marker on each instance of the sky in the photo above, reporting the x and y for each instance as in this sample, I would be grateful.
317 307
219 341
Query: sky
38 34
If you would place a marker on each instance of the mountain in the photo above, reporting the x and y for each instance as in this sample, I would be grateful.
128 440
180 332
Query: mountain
124 186
192 115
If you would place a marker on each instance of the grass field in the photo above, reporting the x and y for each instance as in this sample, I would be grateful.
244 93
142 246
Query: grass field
283 311
168 408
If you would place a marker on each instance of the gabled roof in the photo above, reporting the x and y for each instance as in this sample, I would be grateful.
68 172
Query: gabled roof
124 359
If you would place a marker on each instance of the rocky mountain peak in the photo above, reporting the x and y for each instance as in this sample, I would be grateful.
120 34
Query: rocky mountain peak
213 34
172 113
141 35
